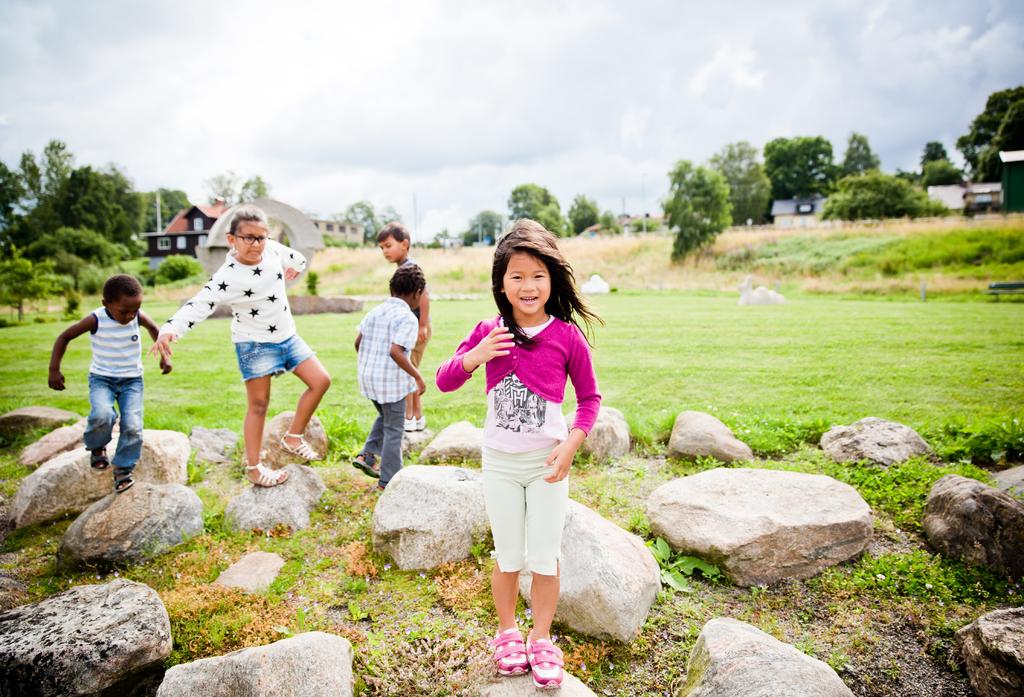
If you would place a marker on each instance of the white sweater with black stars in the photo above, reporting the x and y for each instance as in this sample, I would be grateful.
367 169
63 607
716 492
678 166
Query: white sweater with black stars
256 294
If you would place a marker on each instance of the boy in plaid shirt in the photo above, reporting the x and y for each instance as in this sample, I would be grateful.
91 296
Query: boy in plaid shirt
386 375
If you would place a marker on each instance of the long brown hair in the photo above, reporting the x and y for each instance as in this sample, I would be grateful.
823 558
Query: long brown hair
530 237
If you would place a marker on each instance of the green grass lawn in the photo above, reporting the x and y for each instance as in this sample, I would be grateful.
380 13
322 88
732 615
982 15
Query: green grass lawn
777 375
774 374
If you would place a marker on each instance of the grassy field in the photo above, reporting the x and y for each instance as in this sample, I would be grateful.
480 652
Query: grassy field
777 375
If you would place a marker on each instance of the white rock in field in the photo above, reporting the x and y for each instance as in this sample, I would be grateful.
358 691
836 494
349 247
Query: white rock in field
734 659
459 442
133 526
428 516
288 504
877 440
275 456
522 686
609 577
57 441
213 444
313 664
761 526
26 419
252 573
413 441
83 641
67 484
609 438
595 285
1011 481
993 651
696 434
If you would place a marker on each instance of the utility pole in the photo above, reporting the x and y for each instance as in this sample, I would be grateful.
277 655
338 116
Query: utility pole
643 199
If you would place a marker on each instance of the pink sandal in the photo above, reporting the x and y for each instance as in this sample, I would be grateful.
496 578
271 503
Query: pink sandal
509 653
545 664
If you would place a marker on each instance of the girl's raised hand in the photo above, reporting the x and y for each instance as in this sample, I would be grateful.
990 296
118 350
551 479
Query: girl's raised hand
498 342
162 345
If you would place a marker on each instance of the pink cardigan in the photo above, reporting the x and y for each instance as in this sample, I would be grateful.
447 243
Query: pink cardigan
559 351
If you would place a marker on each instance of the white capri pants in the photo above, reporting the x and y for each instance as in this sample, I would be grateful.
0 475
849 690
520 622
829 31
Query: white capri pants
526 513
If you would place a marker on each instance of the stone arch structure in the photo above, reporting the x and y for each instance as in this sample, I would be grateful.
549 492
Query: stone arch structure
287 224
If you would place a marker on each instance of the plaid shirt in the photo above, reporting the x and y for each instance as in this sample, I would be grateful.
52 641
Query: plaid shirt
380 378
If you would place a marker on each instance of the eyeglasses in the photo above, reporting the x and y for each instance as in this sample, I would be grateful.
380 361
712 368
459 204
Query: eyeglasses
252 241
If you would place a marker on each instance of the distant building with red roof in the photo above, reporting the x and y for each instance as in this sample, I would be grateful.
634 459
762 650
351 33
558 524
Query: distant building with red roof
186 231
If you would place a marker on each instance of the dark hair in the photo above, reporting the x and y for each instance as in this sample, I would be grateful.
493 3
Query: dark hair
247 214
396 230
407 280
121 286
530 237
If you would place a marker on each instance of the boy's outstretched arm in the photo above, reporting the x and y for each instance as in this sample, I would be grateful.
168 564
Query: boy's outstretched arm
398 356
154 333
86 324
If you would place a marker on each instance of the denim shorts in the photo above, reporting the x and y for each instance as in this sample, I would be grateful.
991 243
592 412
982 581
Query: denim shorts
257 359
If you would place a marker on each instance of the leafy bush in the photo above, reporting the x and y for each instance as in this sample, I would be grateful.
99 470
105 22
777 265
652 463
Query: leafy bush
178 267
874 195
312 279
675 568
985 443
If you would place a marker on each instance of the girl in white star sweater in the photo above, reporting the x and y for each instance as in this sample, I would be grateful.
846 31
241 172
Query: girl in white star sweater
252 281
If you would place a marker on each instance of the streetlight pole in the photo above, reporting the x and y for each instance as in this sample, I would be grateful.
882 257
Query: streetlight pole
643 199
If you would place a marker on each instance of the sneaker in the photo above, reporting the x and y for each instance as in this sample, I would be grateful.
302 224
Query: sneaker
410 425
545 664
421 423
509 653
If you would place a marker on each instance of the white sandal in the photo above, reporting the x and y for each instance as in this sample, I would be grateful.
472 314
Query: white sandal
302 449
267 477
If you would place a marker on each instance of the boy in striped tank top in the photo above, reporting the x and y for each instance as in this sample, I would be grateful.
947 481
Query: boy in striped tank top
115 375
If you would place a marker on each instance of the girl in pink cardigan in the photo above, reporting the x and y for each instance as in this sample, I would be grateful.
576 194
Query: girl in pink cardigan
529 350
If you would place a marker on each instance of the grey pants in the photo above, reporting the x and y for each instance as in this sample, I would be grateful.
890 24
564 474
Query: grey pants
385 439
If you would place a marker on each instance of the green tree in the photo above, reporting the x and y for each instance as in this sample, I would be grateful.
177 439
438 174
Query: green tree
874 196
583 213
74 251
22 280
697 208
933 150
223 186
983 131
171 201
609 223
11 193
537 203
178 267
252 189
750 189
363 213
484 225
99 200
940 173
1010 136
799 167
858 157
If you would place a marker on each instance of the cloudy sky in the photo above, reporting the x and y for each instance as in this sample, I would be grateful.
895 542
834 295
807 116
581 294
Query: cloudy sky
455 103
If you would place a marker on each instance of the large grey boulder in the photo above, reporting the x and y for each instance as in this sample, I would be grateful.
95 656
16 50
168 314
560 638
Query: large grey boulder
696 434
25 419
67 484
1011 481
761 526
609 579
288 504
213 444
252 573
414 441
313 664
609 438
12 592
83 641
275 456
734 659
968 520
873 439
993 651
429 516
135 525
459 442
522 686
60 440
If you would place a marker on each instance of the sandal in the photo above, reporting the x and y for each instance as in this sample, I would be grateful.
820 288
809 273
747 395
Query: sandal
509 653
302 449
370 470
123 483
99 460
545 664
267 477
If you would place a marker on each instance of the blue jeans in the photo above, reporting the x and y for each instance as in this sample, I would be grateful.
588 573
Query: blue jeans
386 439
104 392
